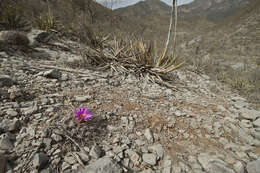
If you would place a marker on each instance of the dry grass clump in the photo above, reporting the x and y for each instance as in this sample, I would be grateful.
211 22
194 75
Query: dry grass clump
47 22
124 56
127 57
11 17
134 55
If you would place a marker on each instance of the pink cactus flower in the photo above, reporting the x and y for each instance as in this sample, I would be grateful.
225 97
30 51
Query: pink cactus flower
83 114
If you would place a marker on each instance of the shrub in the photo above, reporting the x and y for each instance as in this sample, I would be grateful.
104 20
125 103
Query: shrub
14 38
46 22
11 17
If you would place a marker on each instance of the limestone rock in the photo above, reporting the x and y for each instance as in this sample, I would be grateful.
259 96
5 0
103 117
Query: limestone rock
40 161
103 165
257 122
254 166
212 164
149 135
157 149
150 159
53 74
6 143
95 152
38 36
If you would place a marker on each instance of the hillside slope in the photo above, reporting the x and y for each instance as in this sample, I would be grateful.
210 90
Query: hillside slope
144 9
212 10
137 125
231 48
68 15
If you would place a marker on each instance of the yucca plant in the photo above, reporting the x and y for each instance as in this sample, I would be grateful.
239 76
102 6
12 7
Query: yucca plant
240 83
166 63
47 21
144 53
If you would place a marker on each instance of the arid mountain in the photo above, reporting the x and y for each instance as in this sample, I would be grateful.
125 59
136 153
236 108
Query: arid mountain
144 9
69 15
211 10
241 30
232 46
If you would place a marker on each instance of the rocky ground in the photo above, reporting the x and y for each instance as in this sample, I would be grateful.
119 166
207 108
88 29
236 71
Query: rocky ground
137 126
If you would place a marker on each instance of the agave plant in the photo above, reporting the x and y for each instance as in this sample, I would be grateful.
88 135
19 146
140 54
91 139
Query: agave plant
11 18
46 21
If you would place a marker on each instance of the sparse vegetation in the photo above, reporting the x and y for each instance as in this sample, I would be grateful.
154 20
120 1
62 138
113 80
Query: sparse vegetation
124 88
46 22
11 17
89 23
14 38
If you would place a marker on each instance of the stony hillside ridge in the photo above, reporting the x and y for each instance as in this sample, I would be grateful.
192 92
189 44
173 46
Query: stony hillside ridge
138 126
211 9
67 17
231 50
144 8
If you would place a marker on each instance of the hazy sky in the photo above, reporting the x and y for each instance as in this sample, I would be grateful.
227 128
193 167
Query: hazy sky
124 3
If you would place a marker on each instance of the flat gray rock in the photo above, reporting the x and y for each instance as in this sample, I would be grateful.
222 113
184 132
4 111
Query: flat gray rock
65 166
139 142
84 157
53 74
10 125
147 171
47 170
56 137
167 164
149 135
29 110
257 122
11 112
103 165
40 160
95 152
157 149
249 114
70 160
150 159
239 167
82 98
220 168
134 156
212 164
38 36
254 166
256 134
6 143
